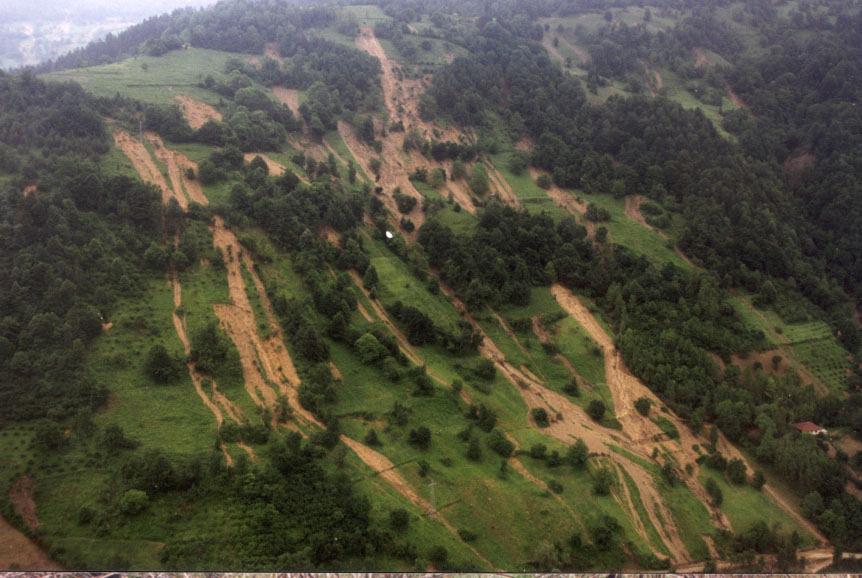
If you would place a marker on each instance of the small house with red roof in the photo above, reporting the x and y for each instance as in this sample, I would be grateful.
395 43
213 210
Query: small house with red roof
811 428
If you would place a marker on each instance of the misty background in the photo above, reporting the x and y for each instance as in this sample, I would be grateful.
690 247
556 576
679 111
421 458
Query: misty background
32 31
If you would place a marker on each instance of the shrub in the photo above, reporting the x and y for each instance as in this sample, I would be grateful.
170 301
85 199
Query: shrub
758 480
497 441
736 472
420 437
474 450
399 519
538 451
540 416
371 438
714 492
134 502
544 182
603 481
439 556
555 486
577 454
643 405
369 349
596 409
160 366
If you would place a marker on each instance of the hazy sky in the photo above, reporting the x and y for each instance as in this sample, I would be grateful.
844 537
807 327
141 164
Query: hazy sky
88 9
35 30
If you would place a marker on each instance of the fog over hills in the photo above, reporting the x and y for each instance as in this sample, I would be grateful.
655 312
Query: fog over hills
32 32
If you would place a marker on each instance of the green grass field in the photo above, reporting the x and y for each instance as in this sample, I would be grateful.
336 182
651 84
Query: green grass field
631 234
744 506
151 79
168 417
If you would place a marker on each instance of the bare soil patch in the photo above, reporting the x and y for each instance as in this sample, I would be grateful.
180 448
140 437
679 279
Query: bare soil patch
267 366
18 552
288 96
143 162
275 168
197 112
23 502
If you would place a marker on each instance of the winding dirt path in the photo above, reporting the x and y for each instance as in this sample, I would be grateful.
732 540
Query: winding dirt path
197 112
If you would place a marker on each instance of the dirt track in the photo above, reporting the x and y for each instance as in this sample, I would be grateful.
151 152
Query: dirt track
196 112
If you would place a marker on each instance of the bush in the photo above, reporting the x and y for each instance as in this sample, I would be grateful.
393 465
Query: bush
474 450
736 472
714 492
369 349
439 556
49 435
134 502
372 439
160 366
555 486
399 520
497 441
572 388
603 481
596 409
544 182
420 437
577 454
405 203
758 480
643 405
540 416
538 451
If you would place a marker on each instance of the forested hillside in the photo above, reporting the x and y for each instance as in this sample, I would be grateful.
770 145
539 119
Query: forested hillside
520 286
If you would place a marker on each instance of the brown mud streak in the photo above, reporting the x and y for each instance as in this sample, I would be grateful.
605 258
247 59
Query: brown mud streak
196 112
568 424
265 361
147 170
626 388
288 97
21 497
140 158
